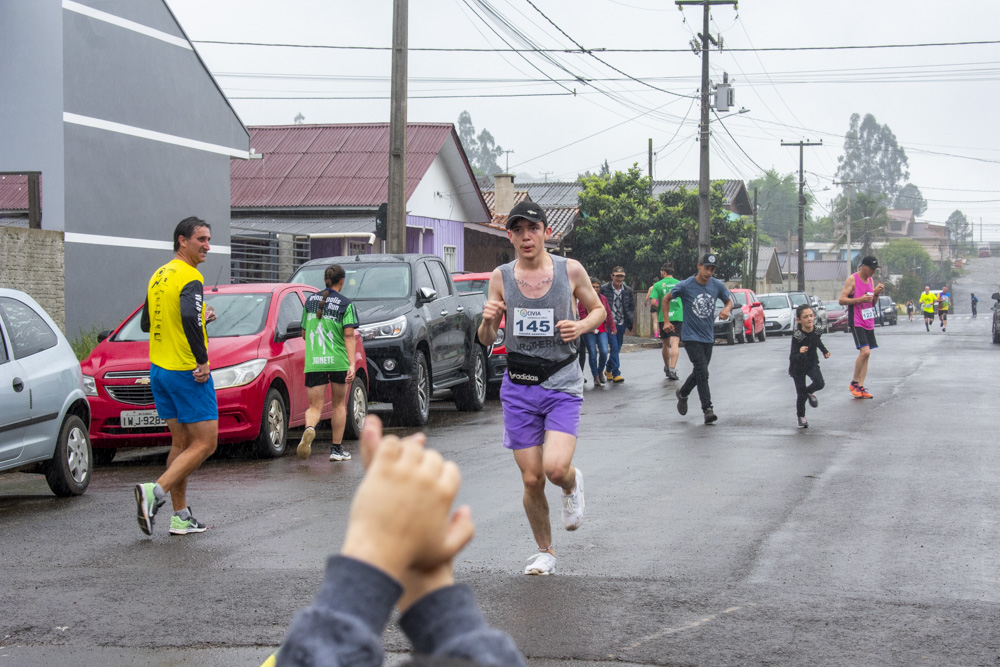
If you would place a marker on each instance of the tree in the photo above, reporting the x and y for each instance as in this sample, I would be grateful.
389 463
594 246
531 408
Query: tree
901 256
624 225
778 204
604 172
872 156
911 198
959 228
481 149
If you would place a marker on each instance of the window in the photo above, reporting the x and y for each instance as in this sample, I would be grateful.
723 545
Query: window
895 226
451 258
29 334
289 311
357 247
424 277
440 278
3 350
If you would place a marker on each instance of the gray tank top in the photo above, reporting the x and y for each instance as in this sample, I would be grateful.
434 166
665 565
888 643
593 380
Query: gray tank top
560 300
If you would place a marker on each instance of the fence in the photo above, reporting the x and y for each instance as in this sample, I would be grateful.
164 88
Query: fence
265 257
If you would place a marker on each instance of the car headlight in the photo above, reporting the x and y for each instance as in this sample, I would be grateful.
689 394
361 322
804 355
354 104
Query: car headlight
89 386
500 336
389 329
238 375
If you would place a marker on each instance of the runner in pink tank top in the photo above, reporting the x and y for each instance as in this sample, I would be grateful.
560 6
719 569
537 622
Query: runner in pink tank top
860 294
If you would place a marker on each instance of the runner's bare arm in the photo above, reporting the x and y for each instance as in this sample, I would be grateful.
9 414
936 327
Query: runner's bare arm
585 294
493 310
845 298
349 346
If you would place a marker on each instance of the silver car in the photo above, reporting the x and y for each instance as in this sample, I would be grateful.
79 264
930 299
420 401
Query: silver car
779 316
44 415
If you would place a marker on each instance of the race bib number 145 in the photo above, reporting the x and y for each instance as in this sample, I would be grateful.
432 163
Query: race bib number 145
533 322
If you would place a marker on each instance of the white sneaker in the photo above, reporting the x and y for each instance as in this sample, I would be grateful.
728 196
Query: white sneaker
573 504
542 563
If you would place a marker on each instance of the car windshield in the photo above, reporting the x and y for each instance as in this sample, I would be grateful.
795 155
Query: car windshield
774 301
832 305
798 298
235 315
472 286
373 281
741 298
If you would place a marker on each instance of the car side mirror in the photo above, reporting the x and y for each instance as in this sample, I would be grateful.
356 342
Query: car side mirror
103 336
756 304
293 330
425 294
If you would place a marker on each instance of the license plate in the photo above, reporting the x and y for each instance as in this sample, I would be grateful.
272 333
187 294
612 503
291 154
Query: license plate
141 419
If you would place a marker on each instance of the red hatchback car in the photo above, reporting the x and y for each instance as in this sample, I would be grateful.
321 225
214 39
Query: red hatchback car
257 353
753 314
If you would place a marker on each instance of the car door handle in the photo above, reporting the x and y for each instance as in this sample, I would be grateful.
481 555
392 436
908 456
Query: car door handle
18 384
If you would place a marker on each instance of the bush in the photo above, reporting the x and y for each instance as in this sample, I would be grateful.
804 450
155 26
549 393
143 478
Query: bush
85 342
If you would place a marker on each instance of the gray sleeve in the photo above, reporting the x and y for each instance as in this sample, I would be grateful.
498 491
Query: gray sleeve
448 623
344 624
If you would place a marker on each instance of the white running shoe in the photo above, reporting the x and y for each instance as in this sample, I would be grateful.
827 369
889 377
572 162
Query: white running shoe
542 563
573 504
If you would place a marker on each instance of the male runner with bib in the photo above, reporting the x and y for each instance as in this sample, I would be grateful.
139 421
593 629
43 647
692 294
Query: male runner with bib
859 295
542 391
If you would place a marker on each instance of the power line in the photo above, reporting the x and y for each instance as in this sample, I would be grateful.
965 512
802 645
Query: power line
584 51
386 97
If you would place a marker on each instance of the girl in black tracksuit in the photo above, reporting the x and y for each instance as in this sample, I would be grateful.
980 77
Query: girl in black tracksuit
803 362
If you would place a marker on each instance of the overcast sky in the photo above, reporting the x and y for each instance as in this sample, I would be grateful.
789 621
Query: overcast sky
940 101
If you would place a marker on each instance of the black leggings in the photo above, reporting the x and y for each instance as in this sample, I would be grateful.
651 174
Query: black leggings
802 391
700 355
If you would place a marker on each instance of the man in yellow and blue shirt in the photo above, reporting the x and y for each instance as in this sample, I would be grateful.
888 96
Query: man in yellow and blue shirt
175 316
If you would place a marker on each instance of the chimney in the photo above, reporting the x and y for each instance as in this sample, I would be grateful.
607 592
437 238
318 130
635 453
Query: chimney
503 193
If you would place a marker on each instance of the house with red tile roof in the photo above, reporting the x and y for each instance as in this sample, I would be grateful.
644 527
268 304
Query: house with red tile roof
315 190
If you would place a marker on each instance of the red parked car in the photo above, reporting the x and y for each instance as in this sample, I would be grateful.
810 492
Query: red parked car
497 363
257 353
753 314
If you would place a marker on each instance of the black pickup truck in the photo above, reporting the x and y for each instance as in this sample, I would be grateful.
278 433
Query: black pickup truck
419 331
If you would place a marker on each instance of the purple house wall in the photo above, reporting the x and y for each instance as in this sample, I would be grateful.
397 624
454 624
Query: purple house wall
435 233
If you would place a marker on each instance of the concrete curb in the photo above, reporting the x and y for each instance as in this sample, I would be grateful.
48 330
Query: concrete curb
635 347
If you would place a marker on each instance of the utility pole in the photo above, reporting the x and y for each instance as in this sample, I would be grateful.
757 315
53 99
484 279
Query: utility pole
704 204
396 223
506 168
802 211
848 189
545 175
754 247
651 169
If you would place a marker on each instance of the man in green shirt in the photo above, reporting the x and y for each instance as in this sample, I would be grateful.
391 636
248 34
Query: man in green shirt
328 322
670 339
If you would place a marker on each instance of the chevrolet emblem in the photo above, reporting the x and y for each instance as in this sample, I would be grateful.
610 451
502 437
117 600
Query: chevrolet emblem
142 381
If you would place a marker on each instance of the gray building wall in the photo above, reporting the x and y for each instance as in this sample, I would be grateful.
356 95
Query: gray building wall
123 193
31 100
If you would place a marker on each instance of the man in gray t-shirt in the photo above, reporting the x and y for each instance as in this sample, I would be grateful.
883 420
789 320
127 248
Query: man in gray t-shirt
698 294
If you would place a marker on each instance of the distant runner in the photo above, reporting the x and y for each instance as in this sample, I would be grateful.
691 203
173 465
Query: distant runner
803 362
927 301
669 339
944 303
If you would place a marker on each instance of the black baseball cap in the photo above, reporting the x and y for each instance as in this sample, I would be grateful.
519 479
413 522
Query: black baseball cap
870 261
528 210
709 259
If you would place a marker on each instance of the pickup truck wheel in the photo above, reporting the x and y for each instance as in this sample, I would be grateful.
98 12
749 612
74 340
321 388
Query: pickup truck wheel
68 473
357 409
414 406
270 442
471 396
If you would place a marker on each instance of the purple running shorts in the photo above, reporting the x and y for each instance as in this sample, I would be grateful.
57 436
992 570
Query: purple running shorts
531 410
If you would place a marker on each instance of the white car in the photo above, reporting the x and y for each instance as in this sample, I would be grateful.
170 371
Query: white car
45 420
779 315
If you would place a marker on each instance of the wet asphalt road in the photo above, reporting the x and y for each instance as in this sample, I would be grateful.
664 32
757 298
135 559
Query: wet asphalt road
869 538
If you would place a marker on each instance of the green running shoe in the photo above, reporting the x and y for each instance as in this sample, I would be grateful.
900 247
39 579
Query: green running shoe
147 506
179 526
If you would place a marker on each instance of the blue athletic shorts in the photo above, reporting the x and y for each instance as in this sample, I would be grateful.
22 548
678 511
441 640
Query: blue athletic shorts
178 396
